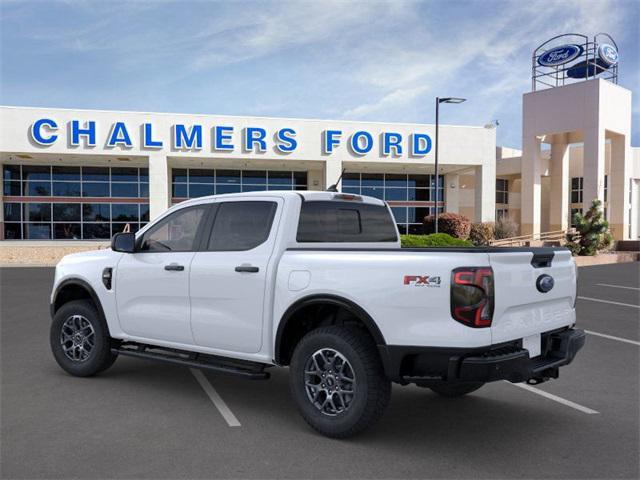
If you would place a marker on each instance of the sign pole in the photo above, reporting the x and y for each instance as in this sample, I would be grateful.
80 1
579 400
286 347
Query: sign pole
436 162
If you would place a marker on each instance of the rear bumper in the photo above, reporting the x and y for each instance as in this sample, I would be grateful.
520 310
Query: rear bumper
509 361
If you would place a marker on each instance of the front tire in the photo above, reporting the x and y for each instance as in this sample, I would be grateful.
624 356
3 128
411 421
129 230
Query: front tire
456 389
337 381
80 339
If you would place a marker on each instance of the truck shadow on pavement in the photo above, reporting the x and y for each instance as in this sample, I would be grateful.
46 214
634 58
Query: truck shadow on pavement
497 416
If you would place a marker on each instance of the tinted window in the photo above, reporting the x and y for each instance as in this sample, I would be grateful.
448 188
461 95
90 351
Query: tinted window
124 190
66 173
66 212
66 189
345 222
241 225
175 233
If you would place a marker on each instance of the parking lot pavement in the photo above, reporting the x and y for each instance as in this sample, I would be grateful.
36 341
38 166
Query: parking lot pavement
148 420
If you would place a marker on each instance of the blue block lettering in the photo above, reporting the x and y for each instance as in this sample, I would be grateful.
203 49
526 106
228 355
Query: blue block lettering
37 134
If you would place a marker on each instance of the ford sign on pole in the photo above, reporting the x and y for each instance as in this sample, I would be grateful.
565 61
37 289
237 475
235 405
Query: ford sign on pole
608 54
560 55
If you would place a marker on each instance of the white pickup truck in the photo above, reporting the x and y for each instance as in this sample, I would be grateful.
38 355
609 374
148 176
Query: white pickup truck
316 281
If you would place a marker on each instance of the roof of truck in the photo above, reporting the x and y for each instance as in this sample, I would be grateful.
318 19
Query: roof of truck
307 195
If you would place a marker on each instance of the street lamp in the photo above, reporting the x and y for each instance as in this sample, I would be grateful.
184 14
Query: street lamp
438 102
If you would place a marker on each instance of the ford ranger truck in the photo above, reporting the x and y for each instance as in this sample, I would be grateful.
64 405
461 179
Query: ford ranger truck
317 282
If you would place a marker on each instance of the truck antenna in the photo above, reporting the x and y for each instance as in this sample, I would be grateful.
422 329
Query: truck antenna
334 187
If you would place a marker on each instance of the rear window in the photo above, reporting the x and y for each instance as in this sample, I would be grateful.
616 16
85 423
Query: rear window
335 221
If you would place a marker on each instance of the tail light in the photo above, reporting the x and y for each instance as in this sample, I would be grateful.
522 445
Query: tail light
472 298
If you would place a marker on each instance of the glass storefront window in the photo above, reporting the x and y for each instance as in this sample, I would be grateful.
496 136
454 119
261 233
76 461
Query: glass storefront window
66 212
66 173
400 188
196 182
96 212
57 217
66 189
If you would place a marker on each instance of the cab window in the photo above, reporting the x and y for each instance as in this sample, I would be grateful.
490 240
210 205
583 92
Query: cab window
241 226
175 233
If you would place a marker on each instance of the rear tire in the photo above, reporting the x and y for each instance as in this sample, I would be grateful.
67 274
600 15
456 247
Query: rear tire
353 393
80 339
456 389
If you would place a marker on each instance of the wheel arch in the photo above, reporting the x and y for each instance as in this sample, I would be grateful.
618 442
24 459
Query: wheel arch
290 319
75 289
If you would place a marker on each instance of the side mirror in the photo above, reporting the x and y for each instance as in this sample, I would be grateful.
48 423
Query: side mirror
124 242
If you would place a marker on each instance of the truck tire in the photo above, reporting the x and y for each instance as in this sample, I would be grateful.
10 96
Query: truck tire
456 389
80 339
337 381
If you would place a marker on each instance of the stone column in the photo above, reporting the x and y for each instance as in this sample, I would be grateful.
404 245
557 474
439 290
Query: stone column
531 188
559 195
593 164
618 188
485 192
452 192
159 184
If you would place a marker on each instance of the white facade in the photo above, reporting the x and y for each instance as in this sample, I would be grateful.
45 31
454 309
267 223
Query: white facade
593 113
169 143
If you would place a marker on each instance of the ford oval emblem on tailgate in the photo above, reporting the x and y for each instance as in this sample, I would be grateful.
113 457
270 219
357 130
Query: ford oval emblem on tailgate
544 283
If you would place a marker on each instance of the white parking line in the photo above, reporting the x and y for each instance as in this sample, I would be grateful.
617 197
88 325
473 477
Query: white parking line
555 398
609 301
611 337
616 286
222 407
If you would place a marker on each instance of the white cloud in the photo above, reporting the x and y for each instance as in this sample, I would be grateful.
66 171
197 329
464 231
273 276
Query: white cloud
487 57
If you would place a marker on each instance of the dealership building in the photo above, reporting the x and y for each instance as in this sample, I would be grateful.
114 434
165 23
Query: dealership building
86 174
81 174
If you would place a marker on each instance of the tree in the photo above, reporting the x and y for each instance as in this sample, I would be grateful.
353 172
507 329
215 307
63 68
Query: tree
592 232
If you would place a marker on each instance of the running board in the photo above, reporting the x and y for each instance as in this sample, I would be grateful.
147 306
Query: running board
245 369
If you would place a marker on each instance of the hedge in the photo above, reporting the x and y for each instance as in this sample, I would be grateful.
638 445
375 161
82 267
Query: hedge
482 233
454 224
433 240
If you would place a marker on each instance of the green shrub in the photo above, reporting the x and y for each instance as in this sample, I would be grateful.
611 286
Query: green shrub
454 224
482 233
505 227
592 232
433 240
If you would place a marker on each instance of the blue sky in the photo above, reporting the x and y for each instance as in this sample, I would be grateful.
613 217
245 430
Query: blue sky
364 60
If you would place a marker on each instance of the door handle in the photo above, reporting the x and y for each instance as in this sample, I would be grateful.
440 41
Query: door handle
174 267
247 268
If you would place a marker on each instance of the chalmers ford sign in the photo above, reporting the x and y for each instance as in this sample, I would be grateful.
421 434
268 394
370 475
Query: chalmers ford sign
223 138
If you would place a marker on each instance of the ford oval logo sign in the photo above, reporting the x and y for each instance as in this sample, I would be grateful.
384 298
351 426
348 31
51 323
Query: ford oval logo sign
560 55
545 283
608 54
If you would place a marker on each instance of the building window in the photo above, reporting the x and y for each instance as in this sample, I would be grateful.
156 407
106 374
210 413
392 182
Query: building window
73 202
412 197
502 213
606 187
198 182
502 190
576 190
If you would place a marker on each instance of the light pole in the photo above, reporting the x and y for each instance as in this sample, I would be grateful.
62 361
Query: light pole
438 102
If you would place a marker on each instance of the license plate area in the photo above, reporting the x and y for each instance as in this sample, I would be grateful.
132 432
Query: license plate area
533 343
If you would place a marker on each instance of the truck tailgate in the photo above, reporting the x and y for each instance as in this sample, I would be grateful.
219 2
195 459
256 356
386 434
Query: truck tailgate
521 309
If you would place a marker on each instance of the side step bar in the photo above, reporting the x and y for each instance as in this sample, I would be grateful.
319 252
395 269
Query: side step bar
249 370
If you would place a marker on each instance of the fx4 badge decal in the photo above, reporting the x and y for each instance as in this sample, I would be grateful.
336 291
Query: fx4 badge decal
422 281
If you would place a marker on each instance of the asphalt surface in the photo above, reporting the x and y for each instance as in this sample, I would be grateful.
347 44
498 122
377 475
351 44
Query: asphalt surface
146 420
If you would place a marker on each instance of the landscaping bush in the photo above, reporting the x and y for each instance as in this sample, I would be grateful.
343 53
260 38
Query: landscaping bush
433 240
592 232
453 224
505 228
482 233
